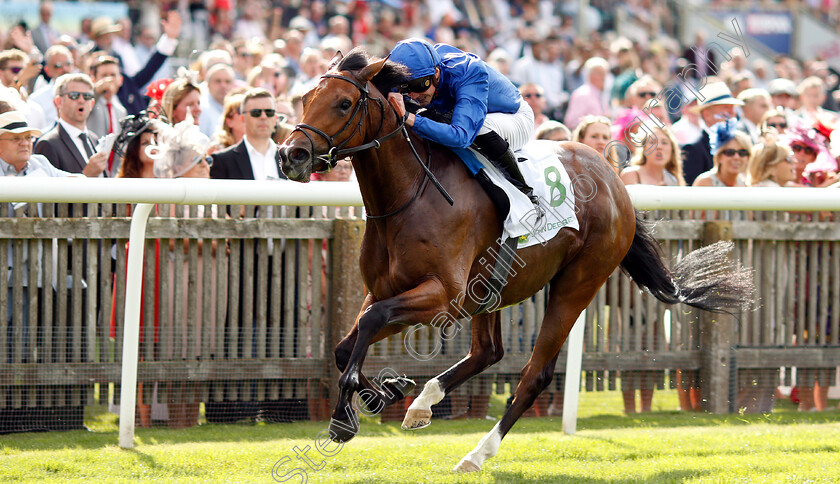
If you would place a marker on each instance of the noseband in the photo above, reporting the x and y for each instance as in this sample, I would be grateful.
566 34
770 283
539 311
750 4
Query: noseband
336 152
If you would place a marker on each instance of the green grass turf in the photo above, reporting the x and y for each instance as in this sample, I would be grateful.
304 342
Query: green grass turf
661 447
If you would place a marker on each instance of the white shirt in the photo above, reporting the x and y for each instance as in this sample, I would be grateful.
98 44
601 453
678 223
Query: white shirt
211 114
686 132
264 166
44 97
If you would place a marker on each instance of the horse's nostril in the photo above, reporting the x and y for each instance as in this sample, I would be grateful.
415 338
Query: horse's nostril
299 155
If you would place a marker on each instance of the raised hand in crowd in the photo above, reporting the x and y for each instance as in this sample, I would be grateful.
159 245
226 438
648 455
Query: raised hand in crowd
107 85
172 24
22 39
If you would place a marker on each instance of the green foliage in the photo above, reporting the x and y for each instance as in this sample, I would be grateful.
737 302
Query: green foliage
661 447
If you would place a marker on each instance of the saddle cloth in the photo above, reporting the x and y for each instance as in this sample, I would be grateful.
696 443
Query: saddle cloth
551 183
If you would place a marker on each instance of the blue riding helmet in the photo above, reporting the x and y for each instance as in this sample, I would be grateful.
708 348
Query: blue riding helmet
419 56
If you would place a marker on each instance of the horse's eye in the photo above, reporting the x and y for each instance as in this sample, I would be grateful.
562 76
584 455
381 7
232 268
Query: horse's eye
345 104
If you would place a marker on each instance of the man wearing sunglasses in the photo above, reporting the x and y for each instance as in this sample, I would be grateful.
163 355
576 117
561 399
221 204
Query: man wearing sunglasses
255 157
58 61
16 70
486 108
69 146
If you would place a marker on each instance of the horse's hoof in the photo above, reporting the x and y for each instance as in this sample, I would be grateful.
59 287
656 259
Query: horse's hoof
398 387
466 466
416 419
342 431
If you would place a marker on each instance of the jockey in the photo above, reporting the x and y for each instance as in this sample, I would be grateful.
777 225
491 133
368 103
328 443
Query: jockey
486 108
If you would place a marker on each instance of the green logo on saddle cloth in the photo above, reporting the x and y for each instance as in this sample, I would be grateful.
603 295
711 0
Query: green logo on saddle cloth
558 190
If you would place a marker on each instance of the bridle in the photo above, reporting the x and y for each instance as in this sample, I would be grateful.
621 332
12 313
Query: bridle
337 152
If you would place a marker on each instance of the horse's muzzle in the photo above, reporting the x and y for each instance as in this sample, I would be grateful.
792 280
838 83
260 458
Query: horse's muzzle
296 162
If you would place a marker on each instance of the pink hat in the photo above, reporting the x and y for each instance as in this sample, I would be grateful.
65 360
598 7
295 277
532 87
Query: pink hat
815 139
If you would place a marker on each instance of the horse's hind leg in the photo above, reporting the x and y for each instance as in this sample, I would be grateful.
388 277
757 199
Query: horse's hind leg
485 350
571 291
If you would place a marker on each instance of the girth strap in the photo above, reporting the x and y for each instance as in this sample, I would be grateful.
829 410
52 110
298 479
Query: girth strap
499 277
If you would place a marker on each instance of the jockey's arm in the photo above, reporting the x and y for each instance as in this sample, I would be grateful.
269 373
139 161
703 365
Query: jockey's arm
470 92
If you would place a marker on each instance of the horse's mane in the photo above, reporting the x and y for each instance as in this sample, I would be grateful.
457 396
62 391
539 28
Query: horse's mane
391 75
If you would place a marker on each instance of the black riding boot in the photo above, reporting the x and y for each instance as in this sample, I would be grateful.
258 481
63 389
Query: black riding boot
497 150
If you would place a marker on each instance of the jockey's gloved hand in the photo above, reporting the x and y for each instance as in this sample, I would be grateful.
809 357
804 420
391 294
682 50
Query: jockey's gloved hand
410 105
439 117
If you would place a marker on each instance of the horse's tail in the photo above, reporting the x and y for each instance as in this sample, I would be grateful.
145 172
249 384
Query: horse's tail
706 278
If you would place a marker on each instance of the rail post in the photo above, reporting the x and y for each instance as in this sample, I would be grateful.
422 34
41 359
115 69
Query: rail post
348 291
717 331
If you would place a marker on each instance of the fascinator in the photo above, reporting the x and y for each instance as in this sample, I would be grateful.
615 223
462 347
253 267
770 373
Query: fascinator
120 143
157 88
179 148
131 127
624 122
816 137
720 133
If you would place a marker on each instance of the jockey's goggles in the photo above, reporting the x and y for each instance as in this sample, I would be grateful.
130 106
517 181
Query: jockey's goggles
421 84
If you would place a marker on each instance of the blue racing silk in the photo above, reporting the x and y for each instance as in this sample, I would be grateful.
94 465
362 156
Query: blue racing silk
469 88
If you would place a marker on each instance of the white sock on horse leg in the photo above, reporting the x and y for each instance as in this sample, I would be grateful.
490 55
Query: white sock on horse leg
430 395
486 448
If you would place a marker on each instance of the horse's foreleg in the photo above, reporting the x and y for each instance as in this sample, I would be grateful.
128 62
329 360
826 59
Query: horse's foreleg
418 305
570 293
373 397
485 350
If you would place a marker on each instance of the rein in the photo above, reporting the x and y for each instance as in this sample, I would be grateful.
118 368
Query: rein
337 152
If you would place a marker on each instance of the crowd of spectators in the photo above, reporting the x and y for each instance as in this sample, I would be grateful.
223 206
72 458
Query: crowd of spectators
662 113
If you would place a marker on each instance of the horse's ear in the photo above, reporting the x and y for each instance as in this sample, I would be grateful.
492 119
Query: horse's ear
336 59
372 69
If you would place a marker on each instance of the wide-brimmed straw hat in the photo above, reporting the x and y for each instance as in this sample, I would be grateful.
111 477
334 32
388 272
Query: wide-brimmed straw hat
714 94
15 122
101 26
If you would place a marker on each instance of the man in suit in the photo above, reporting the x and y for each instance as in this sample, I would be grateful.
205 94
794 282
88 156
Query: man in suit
107 110
129 93
69 146
714 104
44 36
756 103
701 57
253 158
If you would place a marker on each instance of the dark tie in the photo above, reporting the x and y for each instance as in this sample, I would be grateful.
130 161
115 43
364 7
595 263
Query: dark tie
87 145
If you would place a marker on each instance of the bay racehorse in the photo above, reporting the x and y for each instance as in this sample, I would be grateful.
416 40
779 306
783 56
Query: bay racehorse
419 253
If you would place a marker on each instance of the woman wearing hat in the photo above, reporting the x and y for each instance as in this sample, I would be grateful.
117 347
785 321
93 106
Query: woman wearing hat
714 104
813 162
731 152
182 153
152 149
